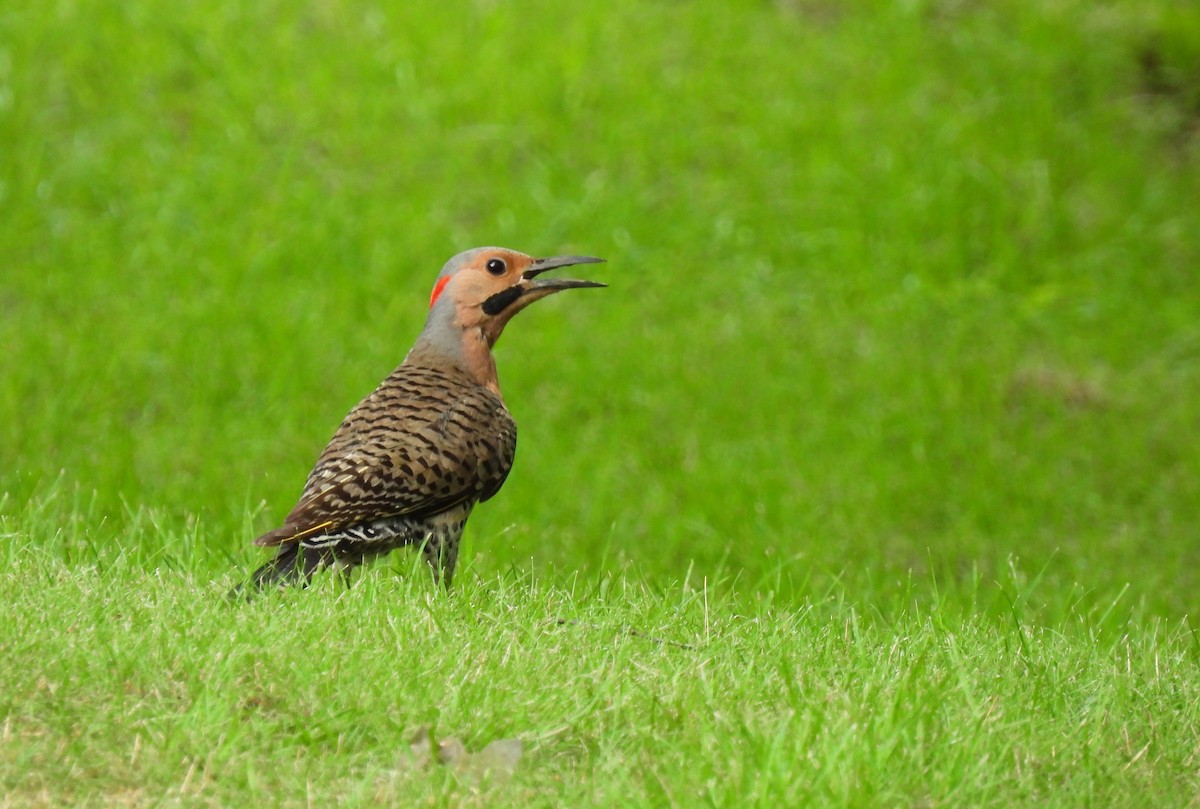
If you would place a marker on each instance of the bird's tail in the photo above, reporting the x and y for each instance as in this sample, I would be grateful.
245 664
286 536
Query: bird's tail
293 564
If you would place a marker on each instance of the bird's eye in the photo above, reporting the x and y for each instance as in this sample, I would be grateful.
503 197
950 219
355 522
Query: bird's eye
496 266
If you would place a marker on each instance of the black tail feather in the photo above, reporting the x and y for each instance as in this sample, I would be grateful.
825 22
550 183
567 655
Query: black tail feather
294 564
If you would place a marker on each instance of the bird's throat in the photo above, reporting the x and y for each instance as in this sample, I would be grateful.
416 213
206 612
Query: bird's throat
467 350
478 359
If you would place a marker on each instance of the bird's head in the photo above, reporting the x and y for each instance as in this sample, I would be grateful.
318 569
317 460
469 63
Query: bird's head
483 288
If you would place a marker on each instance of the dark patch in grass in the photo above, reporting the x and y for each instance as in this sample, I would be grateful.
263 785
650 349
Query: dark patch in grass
1070 388
1169 76
817 12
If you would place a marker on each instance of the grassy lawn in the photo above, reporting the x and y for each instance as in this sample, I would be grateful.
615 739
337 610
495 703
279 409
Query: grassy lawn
872 480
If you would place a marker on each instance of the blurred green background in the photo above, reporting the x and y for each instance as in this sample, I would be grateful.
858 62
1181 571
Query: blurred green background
897 288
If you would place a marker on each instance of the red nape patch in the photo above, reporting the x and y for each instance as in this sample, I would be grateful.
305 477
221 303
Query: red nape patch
437 290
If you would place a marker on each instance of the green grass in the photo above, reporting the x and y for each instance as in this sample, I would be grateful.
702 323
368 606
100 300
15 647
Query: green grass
151 689
887 421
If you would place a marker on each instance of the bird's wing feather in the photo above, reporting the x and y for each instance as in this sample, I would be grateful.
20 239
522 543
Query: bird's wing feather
422 443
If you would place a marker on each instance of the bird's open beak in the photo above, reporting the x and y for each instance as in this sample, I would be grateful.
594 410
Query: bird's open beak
507 302
554 284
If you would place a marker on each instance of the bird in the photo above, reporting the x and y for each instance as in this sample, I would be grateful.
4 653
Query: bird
409 463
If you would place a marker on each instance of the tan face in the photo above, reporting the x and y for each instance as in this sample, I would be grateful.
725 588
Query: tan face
492 285
482 276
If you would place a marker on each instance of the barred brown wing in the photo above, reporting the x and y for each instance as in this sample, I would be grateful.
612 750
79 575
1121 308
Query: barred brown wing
423 442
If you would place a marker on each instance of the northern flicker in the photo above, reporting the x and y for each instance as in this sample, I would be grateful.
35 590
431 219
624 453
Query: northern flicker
412 459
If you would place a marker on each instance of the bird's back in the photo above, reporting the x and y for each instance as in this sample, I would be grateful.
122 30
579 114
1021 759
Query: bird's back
426 440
